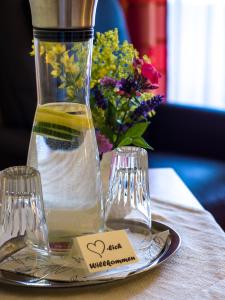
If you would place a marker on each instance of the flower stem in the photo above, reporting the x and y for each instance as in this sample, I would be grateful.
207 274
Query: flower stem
118 135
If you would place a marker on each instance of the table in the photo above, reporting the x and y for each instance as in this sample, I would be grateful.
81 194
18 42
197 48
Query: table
196 271
167 186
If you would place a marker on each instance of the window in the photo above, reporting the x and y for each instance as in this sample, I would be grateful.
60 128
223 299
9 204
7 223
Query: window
196 52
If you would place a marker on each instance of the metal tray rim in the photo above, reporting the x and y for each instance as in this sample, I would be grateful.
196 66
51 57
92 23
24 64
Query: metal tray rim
10 278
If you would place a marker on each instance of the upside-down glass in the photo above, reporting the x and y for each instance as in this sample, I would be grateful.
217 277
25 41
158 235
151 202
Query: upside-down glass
22 211
128 201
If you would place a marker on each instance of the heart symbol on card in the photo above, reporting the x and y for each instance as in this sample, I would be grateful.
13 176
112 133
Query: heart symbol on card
98 247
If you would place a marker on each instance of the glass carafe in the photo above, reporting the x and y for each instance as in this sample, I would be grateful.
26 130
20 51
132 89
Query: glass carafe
63 145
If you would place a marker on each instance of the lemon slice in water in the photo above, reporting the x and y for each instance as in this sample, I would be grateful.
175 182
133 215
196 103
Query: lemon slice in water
74 116
62 121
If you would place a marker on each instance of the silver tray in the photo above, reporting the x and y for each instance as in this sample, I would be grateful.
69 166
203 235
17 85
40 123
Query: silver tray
172 245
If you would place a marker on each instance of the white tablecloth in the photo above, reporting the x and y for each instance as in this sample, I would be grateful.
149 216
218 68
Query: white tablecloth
196 271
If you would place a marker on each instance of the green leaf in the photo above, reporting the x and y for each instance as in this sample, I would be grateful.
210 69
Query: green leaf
114 138
125 142
135 101
137 130
125 106
62 85
140 142
119 121
107 132
110 114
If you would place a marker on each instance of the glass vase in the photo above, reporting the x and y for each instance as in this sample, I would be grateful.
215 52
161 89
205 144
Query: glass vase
128 201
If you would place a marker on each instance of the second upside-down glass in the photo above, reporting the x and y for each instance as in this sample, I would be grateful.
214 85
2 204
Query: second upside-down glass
128 201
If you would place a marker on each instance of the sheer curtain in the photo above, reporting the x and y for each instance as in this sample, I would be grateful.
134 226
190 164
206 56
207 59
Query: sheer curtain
196 52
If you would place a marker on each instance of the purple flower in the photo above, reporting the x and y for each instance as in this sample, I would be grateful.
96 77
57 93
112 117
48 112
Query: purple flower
133 85
101 102
146 107
107 81
104 144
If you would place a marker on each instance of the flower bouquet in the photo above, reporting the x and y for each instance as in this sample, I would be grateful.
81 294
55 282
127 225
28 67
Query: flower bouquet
122 99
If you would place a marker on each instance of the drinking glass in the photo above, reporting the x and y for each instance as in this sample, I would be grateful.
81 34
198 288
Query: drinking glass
128 201
22 212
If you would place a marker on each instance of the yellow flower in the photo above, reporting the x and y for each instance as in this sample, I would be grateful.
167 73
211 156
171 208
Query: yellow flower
146 96
70 91
55 73
147 59
42 50
111 59
50 57
69 64
59 48
79 83
72 68
32 52
65 59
